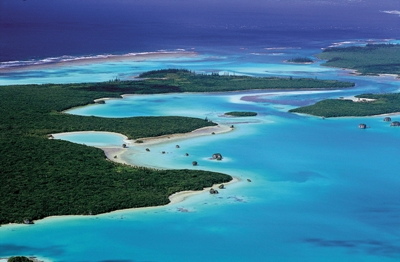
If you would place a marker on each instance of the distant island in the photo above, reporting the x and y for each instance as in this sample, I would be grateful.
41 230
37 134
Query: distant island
182 80
44 177
240 113
300 60
372 59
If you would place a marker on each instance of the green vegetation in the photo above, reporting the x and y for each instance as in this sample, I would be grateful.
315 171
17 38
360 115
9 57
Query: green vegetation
43 177
372 59
241 114
301 60
384 104
187 81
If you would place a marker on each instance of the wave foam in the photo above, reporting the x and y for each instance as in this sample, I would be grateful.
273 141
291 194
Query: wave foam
391 12
88 58
281 48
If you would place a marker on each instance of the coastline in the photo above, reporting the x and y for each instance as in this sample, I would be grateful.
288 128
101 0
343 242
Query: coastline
116 155
112 151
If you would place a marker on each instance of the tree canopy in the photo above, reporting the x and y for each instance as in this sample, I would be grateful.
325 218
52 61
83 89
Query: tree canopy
371 59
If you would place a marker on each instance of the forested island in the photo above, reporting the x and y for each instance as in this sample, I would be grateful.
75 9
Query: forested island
182 80
301 60
372 59
364 105
43 177
241 113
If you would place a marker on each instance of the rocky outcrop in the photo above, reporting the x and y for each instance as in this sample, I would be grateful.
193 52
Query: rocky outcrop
213 191
28 222
387 119
217 156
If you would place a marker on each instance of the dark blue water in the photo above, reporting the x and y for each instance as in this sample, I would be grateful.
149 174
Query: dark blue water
37 29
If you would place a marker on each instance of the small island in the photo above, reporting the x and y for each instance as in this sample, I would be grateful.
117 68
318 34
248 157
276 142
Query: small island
361 105
240 114
300 60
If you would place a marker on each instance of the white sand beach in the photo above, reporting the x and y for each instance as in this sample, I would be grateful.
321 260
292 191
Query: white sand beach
181 196
198 132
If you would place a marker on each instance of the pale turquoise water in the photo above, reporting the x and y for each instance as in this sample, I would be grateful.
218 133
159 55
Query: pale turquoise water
321 190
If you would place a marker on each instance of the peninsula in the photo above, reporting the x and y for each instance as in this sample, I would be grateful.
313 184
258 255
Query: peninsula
43 177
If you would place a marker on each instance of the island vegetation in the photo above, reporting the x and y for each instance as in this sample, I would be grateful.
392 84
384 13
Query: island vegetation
365 105
372 59
301 60
241 113
183 80
43 177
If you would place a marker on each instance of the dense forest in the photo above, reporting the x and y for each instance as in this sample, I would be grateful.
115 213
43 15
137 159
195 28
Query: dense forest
383 104
371 59
43 177
300 60
188 81
241 113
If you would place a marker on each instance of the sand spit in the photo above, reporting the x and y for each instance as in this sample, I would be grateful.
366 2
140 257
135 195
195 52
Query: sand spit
210 130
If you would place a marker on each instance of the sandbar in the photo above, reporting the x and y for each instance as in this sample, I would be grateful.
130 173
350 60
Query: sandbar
209 130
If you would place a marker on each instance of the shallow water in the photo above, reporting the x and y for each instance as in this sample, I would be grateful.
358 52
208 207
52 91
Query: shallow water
321 190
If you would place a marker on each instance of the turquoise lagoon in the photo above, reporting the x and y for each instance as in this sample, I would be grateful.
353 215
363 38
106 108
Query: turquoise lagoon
320 190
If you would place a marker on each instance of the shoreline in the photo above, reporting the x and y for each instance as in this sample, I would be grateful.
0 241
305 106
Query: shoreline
112 151
116 154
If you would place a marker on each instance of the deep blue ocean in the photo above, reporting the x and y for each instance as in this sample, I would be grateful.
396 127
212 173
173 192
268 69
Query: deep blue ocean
321 190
